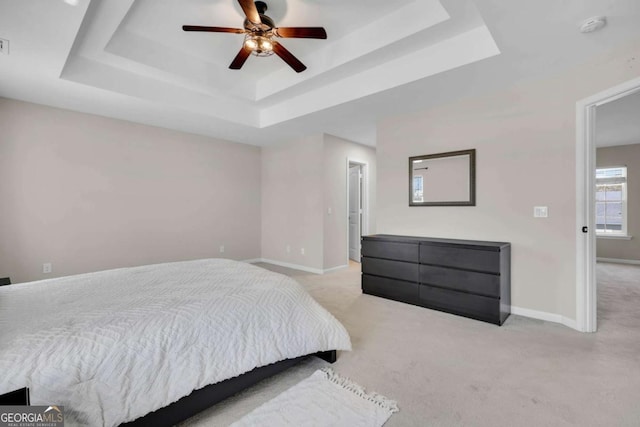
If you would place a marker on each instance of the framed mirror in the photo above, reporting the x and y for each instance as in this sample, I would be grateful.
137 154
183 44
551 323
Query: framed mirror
443 179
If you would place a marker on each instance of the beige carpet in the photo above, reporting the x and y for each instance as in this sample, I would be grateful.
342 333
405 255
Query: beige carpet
445 370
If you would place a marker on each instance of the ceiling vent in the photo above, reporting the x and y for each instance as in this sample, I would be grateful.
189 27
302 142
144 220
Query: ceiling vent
593 24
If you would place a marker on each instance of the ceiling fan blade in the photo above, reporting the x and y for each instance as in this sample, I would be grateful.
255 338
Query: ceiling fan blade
301 32
213 29
249 8
240 59
288 57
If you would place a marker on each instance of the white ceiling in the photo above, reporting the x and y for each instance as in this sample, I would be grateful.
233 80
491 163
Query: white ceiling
618 122
130 59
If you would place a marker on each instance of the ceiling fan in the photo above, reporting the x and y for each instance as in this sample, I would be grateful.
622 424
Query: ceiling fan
259 31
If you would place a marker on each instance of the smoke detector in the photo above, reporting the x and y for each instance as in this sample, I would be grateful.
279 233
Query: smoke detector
593 24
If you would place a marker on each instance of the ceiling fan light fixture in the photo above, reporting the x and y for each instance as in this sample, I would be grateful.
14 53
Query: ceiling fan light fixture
250 43
259 45
259 31
265 44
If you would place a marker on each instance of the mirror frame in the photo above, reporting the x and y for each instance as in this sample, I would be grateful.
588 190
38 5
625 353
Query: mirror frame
472 178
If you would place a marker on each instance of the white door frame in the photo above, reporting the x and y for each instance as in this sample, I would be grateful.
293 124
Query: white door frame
586 287
365 199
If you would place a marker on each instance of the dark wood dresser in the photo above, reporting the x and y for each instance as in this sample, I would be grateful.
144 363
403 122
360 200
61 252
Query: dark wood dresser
465 277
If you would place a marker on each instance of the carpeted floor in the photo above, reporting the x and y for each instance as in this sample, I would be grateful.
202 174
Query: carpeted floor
446 370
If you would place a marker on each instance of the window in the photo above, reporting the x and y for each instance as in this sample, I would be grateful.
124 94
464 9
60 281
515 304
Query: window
417 188
611 201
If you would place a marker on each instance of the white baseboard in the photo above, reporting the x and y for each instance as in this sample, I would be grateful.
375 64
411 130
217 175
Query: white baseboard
543 315
340 267
619 261
289 265
570 323
535 314
296 266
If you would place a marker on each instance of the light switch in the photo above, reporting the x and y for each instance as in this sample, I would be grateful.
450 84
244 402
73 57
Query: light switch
540 212
4 46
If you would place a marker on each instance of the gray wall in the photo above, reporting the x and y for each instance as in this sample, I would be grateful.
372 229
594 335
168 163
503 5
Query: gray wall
301 180
525 139
88 193
292 203
629 156
336 238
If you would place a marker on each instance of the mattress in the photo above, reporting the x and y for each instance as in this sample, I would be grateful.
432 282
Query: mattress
115 345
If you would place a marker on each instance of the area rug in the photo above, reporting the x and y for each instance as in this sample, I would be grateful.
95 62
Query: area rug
323 399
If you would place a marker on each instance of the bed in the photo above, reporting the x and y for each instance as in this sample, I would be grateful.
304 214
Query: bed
116 345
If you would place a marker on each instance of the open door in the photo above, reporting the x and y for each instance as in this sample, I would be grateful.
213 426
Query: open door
586 290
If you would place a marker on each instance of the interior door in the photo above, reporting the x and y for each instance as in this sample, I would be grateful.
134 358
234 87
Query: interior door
354 213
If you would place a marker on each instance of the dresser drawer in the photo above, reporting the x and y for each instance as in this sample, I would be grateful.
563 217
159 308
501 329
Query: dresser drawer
471 259
475 306
392 269
461 280
390 288
390 250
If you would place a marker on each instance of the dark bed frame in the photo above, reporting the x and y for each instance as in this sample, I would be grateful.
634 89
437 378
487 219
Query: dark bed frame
199 400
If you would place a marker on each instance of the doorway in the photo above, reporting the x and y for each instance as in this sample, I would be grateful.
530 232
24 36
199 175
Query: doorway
355 210
586 286
617 210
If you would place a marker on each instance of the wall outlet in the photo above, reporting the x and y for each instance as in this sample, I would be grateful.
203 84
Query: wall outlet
302 251
222 249
329 211
47 268
288 249
4 46
540 212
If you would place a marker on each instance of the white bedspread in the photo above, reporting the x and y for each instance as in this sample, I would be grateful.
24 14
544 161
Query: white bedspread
114 345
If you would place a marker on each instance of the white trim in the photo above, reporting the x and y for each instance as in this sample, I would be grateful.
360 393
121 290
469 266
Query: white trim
543 315
613 236
619 261
570 323
585 216
340 267
586 287
535 314
296 266
292 266
365 199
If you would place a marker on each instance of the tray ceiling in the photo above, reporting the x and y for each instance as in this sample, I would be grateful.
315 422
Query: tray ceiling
130 59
